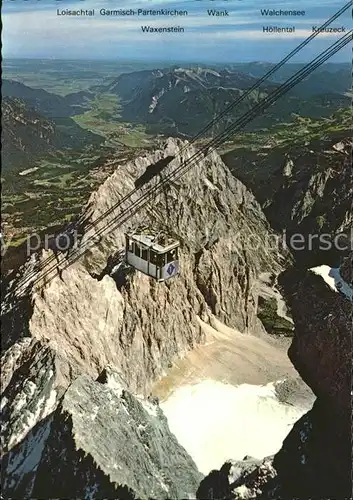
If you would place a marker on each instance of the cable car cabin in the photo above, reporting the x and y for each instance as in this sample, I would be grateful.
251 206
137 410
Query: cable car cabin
155 256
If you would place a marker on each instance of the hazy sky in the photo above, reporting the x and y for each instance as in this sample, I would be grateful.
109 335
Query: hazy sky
32 29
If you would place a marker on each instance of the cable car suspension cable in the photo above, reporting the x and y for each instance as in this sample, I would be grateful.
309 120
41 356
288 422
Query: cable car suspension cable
265 77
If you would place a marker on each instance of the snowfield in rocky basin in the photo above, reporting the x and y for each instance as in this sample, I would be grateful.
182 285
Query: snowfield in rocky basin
216 421
235 395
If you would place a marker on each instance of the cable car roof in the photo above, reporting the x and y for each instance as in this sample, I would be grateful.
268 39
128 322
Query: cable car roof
159 243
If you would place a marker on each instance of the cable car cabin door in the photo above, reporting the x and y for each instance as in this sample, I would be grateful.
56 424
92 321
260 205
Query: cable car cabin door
165 265
170 270
170 265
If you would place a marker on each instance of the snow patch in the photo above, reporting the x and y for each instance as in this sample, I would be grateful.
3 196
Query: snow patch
268 291
50 404
114 384
19 402
164 486
216 421
242 491
28 419
3 403
149 407
333 278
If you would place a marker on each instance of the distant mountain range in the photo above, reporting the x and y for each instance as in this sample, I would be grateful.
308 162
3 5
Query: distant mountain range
330 77
182 101
172 101
46 103
27 135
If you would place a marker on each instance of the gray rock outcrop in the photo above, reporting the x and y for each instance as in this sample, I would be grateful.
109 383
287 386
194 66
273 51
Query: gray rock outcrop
100 442
306 189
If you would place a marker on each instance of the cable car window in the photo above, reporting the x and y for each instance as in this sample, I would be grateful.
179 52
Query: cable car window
153 258
131 247
144 254
137 251
171 256
161 260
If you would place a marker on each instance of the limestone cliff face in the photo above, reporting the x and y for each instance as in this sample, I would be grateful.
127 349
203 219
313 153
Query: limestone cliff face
315 459
319 182
97 313
133 322
321 347
321 351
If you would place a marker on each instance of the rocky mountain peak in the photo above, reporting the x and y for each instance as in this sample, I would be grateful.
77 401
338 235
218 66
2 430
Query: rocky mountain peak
97 317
